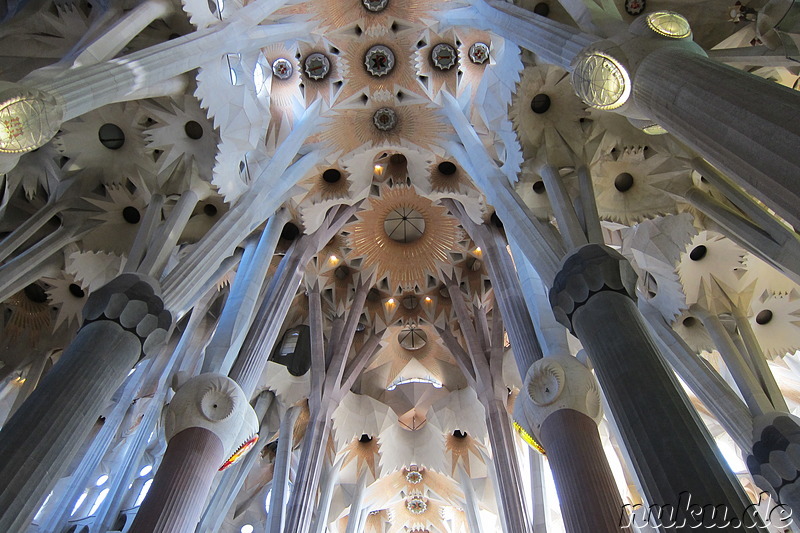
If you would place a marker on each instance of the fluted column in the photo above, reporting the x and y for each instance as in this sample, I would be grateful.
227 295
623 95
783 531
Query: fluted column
671 452
175 499
560 405
122 321
207 421
280 477
746 126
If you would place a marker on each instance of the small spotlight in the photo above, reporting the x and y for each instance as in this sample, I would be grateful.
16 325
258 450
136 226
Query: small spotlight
428 299
378 170
333 259
478 250
390 301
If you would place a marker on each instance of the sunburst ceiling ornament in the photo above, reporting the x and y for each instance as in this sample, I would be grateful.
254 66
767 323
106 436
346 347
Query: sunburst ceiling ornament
405 263
479 53
444 56
282 68
379 60
385 119
317 66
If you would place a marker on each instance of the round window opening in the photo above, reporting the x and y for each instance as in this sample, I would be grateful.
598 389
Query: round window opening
111 136
412 338
404 225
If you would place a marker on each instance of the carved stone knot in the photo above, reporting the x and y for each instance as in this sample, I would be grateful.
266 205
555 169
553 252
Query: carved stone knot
588 270
555 383
132 301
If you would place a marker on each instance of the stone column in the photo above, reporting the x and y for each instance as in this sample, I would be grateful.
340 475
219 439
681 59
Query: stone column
560 405
506 468
321 519
304 495
674 457
356 506
280 477
744 125
208 421
122 321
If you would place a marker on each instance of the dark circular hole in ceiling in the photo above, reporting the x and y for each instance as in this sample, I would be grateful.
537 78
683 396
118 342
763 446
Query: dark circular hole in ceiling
763 317
111 136
623 182
541 9
210 210
193 130
540 103
459 434
538 187
447 168
76 291
698 252
131 215
689 321
331 175
365 438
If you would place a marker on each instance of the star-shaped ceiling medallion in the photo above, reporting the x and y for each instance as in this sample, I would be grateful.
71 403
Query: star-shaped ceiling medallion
394 236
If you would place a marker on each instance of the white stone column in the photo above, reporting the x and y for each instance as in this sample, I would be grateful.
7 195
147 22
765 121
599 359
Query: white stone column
560 405
279 497
208 420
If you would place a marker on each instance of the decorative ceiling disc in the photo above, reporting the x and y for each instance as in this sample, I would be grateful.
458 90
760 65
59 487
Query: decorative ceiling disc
479 53
317 66
375 5
601 81
282 68
379 60
404 224
385 119
634 7
416 505
444 56
414 477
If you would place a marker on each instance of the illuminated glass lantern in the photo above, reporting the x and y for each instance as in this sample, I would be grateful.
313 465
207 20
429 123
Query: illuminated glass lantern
29 118
669 24
444 56
379 60
317 66
282 68
601 81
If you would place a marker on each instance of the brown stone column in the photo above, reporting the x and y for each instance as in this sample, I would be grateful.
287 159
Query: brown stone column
175 501
588 495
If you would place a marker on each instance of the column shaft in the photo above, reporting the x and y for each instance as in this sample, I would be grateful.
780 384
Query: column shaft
589 497
37 444
304 495
509 481
671 453
175 500
746 126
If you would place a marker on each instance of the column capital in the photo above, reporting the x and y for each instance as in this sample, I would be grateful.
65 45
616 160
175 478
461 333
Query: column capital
216 403
552 384
775 460
588 270
134 302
